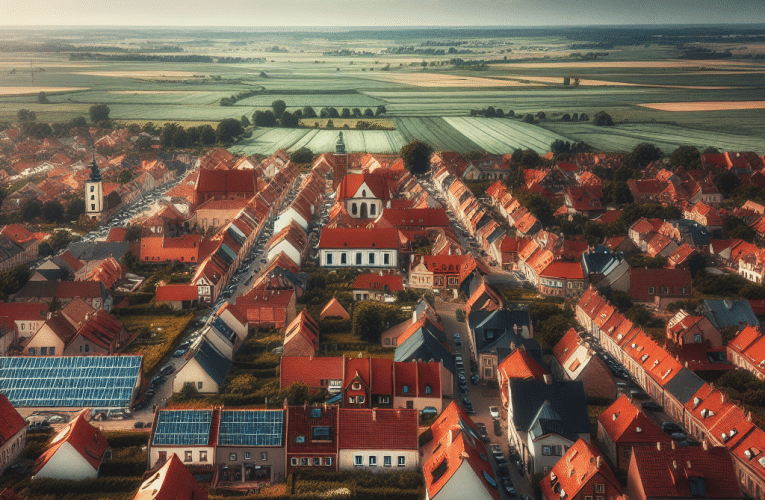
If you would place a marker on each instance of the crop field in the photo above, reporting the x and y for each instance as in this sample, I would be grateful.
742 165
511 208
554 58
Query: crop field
436 132
624 137
705 106
268 140
503 135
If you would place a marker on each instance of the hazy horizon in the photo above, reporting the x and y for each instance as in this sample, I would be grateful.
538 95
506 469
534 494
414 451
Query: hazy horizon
391 14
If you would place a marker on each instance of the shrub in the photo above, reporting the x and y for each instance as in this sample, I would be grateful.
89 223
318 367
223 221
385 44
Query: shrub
460 315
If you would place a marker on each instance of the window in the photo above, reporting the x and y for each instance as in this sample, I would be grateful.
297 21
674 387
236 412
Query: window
203 456
487 373
356 386
697 338
92 197
232 457
386 259
92 207
428 390
372 209
329 259
650 290
52 351
343 258
600 488
358 460
546 451
664 290
87 347
386 461
187 457
371 259
684 289
31 351
354 209
43 351
304 462
316 461
328 461
264 455
199 384
588 498
406 389
401 461
360 399
358 258
626 453
293 461
372 461
246 455
300 439
384 400
322 433
92 188
316 412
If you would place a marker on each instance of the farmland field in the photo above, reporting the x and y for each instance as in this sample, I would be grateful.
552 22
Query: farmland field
624 137
502 135
266 141
436 132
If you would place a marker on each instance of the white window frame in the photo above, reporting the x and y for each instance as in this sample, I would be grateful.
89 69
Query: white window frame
402 461
358 460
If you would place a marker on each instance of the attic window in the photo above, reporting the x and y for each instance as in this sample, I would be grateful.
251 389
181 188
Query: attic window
643 357
315 412
634 345
696 401
762 461
732 432
440 470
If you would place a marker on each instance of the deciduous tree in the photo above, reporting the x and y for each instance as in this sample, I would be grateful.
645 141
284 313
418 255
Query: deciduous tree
416 156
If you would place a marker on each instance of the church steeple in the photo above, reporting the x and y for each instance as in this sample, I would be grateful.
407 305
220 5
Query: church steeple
95 174
340 145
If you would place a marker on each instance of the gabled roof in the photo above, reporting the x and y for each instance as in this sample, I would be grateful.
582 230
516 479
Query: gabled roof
563 270
310 370
334 308
372 281
683 385
566 398
624 424
352 182
669 474
378 429
422 345
172 293
574 471
520 365
301 421
171 482
359 238
565 348
83 437
726 312
212 361
11 421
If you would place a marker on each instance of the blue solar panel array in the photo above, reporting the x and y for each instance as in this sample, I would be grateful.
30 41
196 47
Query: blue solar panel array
70 381
183 427
251 428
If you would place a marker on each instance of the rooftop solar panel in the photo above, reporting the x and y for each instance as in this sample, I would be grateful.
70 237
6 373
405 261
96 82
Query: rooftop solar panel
251 427
70 381
183 427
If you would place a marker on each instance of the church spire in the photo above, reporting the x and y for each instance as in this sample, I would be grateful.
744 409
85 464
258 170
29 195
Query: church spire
340 145
95 175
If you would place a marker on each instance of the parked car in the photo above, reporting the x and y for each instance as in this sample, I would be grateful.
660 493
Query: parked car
482 431
679 436
475 379
167 369
689 442
494 411
467 405
457 339
503 470
157 381
509 487
139 425
652 406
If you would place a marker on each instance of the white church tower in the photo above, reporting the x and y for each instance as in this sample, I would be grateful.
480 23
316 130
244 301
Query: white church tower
94 193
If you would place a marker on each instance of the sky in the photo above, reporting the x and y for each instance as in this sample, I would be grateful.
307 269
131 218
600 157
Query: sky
381 13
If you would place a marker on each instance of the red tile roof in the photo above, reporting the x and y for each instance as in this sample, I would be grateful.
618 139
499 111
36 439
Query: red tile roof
566 346
334 308
359 238
624 423
173 293
520 365
82 289
563 270
7 494
300 422
11 421
380 429
83 437
227 306
311 371
581 463
387 282
667 474
352 182
172 482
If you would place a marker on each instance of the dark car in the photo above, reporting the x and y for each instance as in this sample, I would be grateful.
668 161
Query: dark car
503 470
139 425
671 428
157 381
167 369
509 487
679 436
475 379
652 406
688 442
482 431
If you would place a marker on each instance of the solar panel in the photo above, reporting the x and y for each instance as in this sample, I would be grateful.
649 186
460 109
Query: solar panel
183 427
251 428
70 381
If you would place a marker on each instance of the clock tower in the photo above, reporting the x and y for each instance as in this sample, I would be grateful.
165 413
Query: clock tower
94 193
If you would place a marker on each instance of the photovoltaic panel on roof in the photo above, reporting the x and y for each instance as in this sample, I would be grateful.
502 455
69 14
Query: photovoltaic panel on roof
183 427
251 427
70 381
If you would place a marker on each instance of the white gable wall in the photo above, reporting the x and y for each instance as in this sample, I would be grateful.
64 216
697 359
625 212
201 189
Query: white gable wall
67 463
192 372
463 484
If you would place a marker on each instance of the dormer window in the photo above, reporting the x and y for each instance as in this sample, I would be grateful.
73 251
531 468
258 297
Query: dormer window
428 390
405 390
356 386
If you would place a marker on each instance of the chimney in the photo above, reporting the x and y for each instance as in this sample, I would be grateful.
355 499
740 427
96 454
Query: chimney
658 446
674 463
672 444
305 405
705 445
599 462
374 416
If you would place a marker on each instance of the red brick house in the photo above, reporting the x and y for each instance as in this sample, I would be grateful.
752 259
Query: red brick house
226 184
682 472
660 286
623 426
574 360
561 278
683 329
378 287
312 437
267 308
301 338
581 474
177 296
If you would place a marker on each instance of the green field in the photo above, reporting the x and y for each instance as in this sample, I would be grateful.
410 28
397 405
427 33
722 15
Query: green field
622 77
266 141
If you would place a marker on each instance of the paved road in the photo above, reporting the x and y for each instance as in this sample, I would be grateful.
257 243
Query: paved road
481 396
